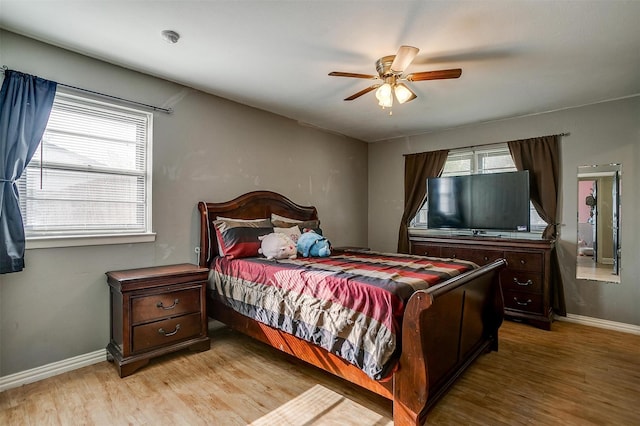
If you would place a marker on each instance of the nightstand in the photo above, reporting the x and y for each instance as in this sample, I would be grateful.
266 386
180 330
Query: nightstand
155 311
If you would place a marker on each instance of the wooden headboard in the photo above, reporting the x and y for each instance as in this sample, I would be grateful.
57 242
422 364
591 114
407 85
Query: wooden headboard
252 205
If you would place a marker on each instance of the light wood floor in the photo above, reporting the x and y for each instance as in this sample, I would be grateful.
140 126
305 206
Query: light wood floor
573 375
587 269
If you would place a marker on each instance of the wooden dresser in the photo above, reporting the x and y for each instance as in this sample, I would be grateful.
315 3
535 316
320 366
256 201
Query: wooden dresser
525 281
155 311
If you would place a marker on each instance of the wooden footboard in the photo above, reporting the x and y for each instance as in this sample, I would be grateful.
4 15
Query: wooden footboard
444 328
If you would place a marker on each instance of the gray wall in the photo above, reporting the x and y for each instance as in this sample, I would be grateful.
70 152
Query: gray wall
599 134
212 149
209 149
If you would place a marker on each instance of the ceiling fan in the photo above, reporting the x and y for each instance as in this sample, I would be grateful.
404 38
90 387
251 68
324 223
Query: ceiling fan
390 73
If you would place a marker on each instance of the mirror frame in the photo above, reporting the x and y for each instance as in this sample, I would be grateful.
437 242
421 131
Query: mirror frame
597 272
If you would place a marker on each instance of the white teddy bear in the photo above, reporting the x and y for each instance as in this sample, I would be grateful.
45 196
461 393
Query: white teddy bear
277 246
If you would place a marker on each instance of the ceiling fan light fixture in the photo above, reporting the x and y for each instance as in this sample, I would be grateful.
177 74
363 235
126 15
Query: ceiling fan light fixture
403 93
384 95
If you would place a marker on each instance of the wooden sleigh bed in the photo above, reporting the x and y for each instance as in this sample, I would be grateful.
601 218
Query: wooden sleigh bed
444 328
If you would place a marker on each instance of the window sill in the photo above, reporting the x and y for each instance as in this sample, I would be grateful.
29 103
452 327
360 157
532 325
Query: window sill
88 240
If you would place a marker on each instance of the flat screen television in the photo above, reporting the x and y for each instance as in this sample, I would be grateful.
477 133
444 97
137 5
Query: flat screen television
495 201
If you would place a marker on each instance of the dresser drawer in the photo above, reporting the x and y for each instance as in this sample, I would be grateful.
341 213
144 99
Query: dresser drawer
525 302
425 250
522 261
456 253
158 306
481 257
484 257
161 333
521 281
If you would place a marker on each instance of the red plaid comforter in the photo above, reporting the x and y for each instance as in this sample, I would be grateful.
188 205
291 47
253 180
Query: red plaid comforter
351 303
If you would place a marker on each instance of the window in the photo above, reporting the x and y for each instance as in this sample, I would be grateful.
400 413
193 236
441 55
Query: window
91 174
495 159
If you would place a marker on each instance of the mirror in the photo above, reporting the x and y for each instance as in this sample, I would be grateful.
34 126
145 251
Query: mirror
598 254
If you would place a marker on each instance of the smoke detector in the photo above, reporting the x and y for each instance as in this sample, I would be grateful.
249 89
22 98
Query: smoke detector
170 36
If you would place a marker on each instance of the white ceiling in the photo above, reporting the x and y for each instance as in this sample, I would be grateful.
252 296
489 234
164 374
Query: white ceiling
518 57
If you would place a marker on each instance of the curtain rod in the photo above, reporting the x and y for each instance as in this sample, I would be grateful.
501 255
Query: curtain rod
104 95
488 144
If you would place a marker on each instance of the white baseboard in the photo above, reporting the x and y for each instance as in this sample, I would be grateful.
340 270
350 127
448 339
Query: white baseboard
600 323
50 370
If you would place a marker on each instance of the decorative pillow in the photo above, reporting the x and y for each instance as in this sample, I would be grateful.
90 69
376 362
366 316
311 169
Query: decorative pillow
239 239
293 232
283 218
254 223
285 222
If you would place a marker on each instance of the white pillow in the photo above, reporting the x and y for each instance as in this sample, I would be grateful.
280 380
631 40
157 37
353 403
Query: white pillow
293 232
277 217
231 219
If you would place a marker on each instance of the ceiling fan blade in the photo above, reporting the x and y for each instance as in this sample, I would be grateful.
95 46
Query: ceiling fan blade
434 75
362 92
353 75
403 58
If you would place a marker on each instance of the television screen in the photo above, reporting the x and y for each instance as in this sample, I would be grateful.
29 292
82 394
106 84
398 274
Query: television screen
449 202
497 201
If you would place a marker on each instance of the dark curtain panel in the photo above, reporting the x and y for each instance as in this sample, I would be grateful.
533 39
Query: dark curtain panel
25 105
541 156
417 168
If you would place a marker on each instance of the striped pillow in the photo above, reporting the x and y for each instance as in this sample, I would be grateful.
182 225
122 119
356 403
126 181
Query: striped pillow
239 238
286 222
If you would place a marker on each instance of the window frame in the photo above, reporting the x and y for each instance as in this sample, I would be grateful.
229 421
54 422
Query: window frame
100 237
474 154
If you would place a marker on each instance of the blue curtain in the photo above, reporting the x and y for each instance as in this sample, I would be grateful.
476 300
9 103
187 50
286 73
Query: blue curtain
25 105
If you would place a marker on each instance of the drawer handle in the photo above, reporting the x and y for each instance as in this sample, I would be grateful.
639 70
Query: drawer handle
528 283
166 308
515 299
522 261
165 334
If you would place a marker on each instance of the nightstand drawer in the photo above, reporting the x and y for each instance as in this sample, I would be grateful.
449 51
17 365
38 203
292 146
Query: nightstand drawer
524 261
526 302
161 333
521 281
158 306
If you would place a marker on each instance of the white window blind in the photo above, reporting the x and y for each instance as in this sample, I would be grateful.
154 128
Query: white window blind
91 174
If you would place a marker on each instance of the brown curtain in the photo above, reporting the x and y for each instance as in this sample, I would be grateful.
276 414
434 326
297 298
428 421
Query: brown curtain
417 168
541 156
